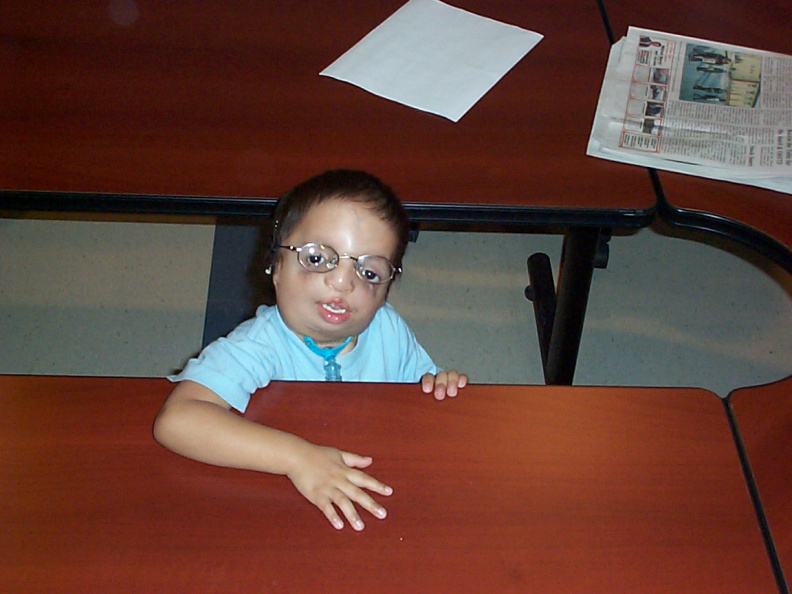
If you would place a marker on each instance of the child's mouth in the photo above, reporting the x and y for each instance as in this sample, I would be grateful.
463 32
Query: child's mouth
334 308
334 312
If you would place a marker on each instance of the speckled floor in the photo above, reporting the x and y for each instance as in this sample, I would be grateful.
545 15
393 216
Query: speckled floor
115 297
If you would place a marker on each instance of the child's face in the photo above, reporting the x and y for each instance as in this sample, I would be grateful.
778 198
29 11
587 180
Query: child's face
331 306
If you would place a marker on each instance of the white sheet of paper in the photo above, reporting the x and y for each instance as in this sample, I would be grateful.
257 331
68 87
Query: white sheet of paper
434 57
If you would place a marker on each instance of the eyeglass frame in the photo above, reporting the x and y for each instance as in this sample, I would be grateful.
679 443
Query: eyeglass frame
333 263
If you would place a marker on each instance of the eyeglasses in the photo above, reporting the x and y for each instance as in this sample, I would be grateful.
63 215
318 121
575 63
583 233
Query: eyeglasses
316 257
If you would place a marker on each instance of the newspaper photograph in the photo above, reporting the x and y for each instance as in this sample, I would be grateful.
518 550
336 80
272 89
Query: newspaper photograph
697 107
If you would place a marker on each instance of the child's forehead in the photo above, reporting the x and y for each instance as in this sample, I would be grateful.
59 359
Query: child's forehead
341 220
338 211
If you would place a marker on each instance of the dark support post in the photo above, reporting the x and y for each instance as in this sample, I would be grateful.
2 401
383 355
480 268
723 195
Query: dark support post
542 292
560 313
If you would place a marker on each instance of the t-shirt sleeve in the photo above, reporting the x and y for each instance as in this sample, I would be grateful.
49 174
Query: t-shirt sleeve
233 367
414 361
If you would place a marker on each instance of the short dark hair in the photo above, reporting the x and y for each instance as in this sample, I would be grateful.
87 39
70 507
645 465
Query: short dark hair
341 184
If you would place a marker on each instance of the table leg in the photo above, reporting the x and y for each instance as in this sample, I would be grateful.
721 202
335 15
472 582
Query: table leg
560 313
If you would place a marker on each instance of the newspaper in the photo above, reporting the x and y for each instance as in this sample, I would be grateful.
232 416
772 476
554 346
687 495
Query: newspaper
697 107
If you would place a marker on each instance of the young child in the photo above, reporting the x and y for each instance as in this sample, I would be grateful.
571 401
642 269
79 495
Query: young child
338 242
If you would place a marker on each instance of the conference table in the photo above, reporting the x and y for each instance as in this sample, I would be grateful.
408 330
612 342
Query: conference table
502 489
756 218
219 108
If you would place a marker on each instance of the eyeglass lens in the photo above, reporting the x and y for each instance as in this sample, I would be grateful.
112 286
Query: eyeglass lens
321 258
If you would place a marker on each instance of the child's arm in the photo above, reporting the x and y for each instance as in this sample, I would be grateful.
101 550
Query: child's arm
196 423
445 383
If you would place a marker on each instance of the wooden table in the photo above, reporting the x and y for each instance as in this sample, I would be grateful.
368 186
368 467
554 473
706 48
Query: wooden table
760 219
504 489
764 418
219 108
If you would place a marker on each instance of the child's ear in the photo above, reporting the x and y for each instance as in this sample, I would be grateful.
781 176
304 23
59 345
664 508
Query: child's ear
272 266
274 272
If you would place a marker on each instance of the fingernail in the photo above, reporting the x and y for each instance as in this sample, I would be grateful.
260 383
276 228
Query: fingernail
359 525
381 513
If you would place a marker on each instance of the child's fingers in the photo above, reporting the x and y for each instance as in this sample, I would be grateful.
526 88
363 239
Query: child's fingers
361 479
348 509
427 383
364 500
435 384
456 381
445 383
329 510
356 460
453 383
438 385
346 496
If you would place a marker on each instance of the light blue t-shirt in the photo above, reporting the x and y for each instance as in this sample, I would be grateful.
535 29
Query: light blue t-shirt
264 348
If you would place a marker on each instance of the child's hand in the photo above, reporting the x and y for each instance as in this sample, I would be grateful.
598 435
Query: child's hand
445 383
328 478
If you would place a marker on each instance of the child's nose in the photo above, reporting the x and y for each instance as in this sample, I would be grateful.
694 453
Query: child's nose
342 278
